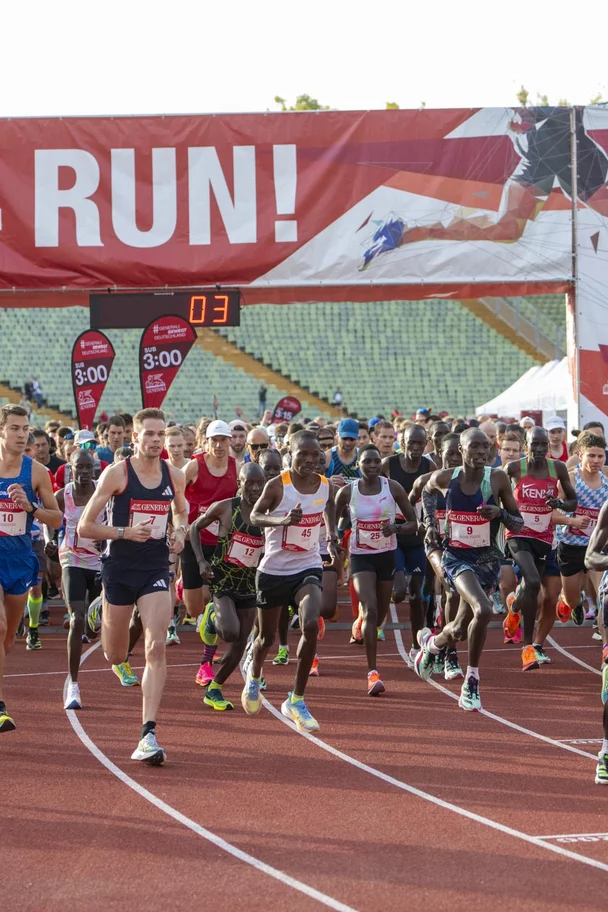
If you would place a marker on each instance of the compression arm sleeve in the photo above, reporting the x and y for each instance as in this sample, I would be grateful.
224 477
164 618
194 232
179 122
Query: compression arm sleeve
513 522
429 504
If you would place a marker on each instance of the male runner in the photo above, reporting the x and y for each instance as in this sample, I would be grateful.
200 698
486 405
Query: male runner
116 438
535 482
471 558
491 432
174 445
439 430
23 483
139 493
239 440
292 510
189 442
405 468
363 439
342 463
558 448
371 502
596 561
231 576
43 454
326 437
383 437
257 441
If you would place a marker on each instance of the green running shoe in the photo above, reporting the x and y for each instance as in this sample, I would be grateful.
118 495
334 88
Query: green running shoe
541 656
439 663
125 674
282 656
469 695
213 697
94 615
601 770
207 629
425 660
172 637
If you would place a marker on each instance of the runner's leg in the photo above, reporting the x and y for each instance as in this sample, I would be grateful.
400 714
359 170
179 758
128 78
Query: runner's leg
155 611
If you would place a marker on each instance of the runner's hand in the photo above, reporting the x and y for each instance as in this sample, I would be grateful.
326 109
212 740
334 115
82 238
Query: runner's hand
205 570
333 549
554 502
138 533
18 496
389 529
488 511
176 542
294 517
51 548
580 522
432 537
338 480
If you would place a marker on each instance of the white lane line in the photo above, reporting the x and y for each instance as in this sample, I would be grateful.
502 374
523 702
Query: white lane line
484 712
579 837
418 793
580 740
217 841
572 658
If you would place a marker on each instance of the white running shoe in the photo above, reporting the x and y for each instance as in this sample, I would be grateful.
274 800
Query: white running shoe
72 700
149 751
411 657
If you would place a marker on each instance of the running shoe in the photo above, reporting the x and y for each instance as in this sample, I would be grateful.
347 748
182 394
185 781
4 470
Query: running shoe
510 625
33 640
356 631
386 238
374 684
578 614
452 666
263 684
149 751
604 684
66 621
528 658
53 592
207 630
213 697
294 623
94 615
282 656
298 713
411 657
541 656
45 616
562 610
423 666
321 632
172 637
188 621
248 656
518 637
497 605
7 724
314 668
381 634
439 663
72 700
250 698
125 674
21 628
601 770
605 654
205 674
469 695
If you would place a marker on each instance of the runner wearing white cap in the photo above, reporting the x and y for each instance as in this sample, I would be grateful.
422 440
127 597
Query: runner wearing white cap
556 429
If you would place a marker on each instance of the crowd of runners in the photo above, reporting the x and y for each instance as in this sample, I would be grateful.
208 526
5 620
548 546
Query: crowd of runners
252 530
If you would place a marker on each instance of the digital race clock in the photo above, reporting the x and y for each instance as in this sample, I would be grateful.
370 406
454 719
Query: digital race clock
135 311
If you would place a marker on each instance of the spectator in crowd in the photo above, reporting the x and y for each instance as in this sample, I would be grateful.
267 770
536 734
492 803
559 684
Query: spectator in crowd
262 394
115 437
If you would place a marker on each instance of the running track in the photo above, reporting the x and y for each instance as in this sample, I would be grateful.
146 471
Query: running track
401 800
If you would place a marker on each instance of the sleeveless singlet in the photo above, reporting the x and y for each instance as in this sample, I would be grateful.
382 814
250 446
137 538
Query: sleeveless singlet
136 504
368 514
15 523
237 556
208 489
337 467
589 502
294 549
406 480
530 495
465 528
75 551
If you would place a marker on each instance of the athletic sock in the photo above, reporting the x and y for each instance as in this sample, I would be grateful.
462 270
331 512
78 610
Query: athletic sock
433 649
604 746
283 647
33 607
147 727
208 654
213 685
294 698
472 672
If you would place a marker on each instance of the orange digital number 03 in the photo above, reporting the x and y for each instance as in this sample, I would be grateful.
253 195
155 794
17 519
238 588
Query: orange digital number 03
198 307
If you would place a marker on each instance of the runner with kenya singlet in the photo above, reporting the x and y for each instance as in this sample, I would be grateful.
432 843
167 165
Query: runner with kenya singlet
535 479
471 558
139 493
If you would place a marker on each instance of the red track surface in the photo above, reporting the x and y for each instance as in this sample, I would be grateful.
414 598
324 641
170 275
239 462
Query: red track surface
74 836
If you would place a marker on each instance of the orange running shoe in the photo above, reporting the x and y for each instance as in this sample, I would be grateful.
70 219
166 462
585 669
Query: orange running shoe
562 610
321 632
314 668
374 684
510 625
528 658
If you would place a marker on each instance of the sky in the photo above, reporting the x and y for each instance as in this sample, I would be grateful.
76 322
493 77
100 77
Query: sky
131 57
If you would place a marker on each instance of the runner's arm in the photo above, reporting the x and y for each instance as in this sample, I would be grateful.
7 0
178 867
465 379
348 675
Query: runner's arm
217 511
49 514
342 502
510 516
410 526
111 481
270 500
569 502
594 559
329 515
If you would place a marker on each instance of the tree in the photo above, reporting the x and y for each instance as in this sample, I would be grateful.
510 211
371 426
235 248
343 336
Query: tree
522 97
303 103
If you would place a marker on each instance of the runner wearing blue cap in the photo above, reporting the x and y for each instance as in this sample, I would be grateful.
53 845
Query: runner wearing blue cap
342 464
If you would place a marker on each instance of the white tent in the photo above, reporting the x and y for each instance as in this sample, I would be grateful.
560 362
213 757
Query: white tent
545 388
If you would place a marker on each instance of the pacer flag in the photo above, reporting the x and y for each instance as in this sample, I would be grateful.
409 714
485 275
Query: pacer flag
92 359
286 409
165 342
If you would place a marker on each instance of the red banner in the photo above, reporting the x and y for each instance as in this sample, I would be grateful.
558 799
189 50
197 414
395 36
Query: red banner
286 409
92 359
162 351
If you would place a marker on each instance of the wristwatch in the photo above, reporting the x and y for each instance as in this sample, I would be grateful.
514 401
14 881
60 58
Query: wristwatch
34 509
121 532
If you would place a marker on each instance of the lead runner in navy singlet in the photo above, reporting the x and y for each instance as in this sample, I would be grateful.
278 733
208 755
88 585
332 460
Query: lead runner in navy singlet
139 492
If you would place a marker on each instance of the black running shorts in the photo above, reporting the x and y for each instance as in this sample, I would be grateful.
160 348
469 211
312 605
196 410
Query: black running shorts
280 591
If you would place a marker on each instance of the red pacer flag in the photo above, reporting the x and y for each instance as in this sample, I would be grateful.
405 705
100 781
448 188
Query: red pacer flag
164 344
286 409
92 359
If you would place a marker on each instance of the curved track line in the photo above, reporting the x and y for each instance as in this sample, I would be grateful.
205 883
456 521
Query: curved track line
217 841
484 712
572 658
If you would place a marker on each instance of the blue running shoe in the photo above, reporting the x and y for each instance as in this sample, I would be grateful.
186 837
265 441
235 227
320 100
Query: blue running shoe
298 713
250 698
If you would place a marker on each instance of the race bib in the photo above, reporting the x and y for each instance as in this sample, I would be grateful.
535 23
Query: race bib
440 517
469 530
152 512
593 515
537 522
304 536
245 550
370 537
12 518
214 528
